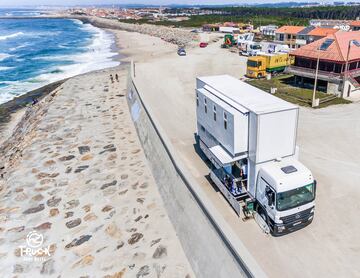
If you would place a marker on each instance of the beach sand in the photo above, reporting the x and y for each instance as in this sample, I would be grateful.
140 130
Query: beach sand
76 175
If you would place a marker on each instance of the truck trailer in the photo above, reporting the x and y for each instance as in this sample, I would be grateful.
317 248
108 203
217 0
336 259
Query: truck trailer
259 66
249 136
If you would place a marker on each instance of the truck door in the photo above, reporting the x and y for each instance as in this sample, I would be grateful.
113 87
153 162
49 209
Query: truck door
263 191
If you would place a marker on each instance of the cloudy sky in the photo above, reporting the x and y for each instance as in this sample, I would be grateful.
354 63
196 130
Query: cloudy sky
161 2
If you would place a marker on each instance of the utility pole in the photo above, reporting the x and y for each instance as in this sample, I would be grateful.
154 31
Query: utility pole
346 68
313 104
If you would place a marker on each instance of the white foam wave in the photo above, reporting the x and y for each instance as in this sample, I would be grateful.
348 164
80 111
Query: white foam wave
5 68
3 56
99 55
2 38
77 21
19 47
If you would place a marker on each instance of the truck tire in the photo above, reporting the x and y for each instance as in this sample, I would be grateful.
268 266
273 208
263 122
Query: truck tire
260 211
259 76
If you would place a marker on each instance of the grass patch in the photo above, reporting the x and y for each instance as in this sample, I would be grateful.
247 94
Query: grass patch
287 90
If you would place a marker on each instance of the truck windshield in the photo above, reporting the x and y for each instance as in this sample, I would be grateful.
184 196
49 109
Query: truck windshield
253 64
255 46
295 197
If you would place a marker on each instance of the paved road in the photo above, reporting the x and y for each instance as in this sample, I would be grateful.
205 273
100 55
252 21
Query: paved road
328 139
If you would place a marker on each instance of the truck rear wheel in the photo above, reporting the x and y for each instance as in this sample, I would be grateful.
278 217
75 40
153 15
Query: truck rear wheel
259 75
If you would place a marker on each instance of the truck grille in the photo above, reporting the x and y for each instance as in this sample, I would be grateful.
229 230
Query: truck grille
297 216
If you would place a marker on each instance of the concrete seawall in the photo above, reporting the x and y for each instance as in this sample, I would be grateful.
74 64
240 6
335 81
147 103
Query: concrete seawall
212 248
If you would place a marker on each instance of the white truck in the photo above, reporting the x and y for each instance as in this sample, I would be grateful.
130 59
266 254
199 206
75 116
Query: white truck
249 48
275 48
249 136
229 30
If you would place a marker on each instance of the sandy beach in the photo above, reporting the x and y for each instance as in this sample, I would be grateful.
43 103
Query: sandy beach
76 174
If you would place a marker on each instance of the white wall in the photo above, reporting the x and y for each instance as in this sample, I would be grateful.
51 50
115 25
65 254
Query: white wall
272 135
235 138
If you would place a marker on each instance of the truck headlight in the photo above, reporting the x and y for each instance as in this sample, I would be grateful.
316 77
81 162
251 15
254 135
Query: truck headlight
281 228
311 217
313 210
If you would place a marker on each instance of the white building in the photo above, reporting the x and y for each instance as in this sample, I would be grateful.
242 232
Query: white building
268 30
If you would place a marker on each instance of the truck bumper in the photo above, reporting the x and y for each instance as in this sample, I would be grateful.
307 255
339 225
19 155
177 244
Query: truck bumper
283 229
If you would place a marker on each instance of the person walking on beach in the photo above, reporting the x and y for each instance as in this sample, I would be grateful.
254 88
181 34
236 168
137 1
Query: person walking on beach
117 77
34 101
111 78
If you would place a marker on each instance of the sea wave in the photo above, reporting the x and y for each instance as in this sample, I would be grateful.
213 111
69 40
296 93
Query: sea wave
96 55
19 47
5 68
3 56
14 35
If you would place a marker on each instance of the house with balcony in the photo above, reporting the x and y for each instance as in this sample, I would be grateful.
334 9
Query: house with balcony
318 33
334 54
288 35
268 30
297 36
302 37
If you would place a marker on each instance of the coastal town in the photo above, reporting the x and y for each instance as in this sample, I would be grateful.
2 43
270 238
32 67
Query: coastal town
219 145
301 44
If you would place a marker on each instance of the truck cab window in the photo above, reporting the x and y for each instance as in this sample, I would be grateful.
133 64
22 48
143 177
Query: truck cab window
270 195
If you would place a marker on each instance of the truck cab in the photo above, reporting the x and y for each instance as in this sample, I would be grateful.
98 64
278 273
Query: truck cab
250 48
285 194
256 67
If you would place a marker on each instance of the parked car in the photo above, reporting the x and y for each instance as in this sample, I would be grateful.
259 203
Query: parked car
203 44
181 52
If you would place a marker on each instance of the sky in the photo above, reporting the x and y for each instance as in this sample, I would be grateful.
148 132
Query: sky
14 3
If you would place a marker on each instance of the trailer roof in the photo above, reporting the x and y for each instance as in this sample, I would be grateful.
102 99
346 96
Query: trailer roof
234 91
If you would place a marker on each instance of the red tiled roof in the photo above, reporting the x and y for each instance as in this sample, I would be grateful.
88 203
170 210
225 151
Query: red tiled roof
290 29
355 23
337 51
322 32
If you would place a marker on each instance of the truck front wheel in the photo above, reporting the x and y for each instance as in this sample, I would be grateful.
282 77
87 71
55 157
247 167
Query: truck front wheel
264 223
259 75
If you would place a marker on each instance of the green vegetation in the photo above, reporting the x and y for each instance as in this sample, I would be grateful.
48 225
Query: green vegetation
200 20
261 16
289 92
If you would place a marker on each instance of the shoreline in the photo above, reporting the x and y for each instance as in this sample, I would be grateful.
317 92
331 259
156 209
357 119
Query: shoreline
11 112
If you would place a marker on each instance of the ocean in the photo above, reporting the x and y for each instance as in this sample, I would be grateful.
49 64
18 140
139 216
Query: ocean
36 52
